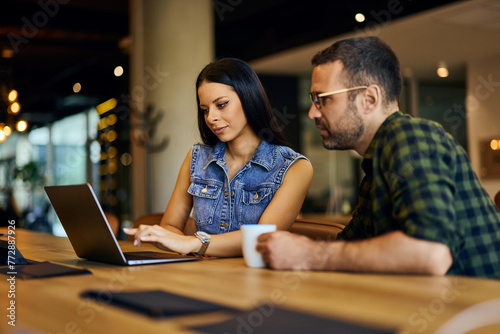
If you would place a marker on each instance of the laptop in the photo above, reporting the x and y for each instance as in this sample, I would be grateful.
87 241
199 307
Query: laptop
89 232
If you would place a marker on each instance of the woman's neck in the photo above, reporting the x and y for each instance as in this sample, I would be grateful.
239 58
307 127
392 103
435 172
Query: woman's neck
242 149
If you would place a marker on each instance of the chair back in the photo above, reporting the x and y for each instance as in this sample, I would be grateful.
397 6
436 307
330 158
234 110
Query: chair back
113 221
316 229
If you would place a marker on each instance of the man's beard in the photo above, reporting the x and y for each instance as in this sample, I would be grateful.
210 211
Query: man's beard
349 131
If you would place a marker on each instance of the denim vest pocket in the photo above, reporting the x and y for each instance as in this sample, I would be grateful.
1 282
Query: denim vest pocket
253 203
205 197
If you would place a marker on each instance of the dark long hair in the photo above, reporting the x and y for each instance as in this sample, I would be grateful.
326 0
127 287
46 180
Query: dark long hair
366 60
256 106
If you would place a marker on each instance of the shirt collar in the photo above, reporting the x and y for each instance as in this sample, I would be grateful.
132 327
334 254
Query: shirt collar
218 154
263 156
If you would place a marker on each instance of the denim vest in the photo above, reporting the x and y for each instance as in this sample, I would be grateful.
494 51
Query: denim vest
220 206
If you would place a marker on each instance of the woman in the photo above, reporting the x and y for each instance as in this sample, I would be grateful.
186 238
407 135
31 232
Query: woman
243 173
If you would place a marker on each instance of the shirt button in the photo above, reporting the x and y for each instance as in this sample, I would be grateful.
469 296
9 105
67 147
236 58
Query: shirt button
232 193
225 225
256 196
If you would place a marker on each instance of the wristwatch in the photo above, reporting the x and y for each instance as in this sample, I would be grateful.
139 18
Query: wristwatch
205 241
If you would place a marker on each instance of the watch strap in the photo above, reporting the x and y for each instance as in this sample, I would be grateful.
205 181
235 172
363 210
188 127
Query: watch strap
204 245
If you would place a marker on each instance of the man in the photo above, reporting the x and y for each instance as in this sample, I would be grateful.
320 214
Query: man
421 208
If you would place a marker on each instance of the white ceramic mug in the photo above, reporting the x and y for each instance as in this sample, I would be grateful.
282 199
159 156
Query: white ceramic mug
250 233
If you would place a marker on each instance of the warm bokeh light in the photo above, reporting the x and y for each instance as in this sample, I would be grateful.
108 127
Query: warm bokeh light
112 152
495 144
12 95
126 159
442 72
7 53
359 17
2 136
7 131
21 126
77 87
103 123
118 71
15 107
106 106
112 167
112 135
112 119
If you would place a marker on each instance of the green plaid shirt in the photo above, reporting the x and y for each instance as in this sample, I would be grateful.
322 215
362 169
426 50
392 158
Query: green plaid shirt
419 180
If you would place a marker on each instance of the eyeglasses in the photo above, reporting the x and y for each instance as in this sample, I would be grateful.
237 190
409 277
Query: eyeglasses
315 96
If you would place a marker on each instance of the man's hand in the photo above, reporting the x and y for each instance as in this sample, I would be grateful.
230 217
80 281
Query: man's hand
284 250
393 252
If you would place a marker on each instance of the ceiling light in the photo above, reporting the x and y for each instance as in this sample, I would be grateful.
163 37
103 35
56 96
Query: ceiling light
12 95
442 70
118 71
359 17
77 87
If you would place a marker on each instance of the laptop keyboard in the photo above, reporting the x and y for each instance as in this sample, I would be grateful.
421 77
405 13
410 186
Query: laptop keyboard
150 255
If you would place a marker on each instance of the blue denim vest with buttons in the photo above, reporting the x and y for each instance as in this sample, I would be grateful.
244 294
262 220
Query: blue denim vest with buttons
220 206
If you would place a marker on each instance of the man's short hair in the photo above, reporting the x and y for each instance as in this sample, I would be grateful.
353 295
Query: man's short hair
366 60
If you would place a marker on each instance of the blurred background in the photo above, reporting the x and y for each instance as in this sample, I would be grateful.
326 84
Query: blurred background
102 91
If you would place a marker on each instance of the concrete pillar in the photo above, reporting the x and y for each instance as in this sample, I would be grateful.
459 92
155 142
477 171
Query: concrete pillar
172 40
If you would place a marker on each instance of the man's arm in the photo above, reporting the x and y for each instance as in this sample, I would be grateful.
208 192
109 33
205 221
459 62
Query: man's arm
393 252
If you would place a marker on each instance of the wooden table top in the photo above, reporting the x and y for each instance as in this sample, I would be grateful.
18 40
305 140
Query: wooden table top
410 304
